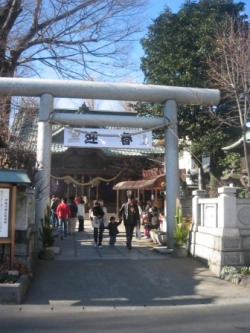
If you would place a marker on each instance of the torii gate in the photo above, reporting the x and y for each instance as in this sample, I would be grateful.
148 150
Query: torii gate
170 96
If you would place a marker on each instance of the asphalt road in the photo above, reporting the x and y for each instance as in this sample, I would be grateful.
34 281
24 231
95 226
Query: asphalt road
173 319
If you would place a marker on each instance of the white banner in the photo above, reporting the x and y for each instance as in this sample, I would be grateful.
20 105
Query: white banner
93 138
4 212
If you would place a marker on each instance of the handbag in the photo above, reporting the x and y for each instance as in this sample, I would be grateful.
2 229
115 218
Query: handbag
138 233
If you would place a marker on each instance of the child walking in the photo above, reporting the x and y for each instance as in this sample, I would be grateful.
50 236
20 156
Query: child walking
113 230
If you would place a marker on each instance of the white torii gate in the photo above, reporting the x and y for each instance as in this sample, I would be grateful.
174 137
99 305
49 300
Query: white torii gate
170 96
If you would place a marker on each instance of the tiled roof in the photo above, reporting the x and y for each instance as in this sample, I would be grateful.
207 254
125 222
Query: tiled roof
58 148
133 152
238 143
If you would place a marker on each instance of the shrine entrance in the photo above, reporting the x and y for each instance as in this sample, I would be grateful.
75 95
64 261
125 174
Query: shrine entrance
47 90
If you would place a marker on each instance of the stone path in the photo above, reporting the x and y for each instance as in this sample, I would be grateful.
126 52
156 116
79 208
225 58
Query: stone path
80 247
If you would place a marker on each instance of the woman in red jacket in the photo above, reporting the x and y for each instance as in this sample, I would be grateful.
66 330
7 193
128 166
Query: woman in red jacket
63 213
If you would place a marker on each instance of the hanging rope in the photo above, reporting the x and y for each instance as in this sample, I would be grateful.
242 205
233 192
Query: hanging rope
92 181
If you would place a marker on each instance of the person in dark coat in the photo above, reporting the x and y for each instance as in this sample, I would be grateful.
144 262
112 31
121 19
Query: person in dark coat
129 213
53 206
113 230
73 215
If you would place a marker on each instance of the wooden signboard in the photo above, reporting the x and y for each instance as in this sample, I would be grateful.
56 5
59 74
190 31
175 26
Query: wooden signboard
7 217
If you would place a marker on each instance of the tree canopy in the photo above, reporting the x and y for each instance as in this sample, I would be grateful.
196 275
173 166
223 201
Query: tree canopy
176 49
176 45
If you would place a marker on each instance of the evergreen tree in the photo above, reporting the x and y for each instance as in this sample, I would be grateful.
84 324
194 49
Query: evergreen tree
176 49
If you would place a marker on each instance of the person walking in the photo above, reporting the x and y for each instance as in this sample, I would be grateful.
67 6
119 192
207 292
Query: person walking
73 215
81 215
97 223
63 213
53 206
113 230
129 213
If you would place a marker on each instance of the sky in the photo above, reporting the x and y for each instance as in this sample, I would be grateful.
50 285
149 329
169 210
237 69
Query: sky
155 9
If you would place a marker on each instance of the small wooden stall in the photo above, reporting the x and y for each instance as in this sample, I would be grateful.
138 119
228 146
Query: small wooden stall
9 181
152 185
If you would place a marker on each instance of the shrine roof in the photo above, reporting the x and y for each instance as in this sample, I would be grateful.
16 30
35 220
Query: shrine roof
133 152
58 148
232 175
238 144
140 184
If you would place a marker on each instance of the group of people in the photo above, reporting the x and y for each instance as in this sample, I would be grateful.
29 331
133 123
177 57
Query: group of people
64 214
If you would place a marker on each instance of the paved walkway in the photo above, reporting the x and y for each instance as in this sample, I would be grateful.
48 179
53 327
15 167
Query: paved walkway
80 247
83 277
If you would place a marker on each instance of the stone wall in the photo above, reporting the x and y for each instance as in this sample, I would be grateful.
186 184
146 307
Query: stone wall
25 230
220 233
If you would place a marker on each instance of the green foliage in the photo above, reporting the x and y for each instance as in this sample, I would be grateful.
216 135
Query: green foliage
181 231
176 49
47 236
8 278
241 195
180 235
179 219
176 45
150 110
234 272
226 162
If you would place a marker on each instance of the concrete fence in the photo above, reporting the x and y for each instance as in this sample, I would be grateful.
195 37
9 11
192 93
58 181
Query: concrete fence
220 233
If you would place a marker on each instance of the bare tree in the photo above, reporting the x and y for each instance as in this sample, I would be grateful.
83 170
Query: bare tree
18 151
72 37
230 72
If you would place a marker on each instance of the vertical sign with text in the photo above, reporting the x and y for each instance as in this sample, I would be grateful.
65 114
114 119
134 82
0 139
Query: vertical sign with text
4 212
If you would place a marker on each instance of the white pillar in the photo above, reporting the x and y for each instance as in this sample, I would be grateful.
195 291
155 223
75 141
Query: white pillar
227 215
172 168
44 141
